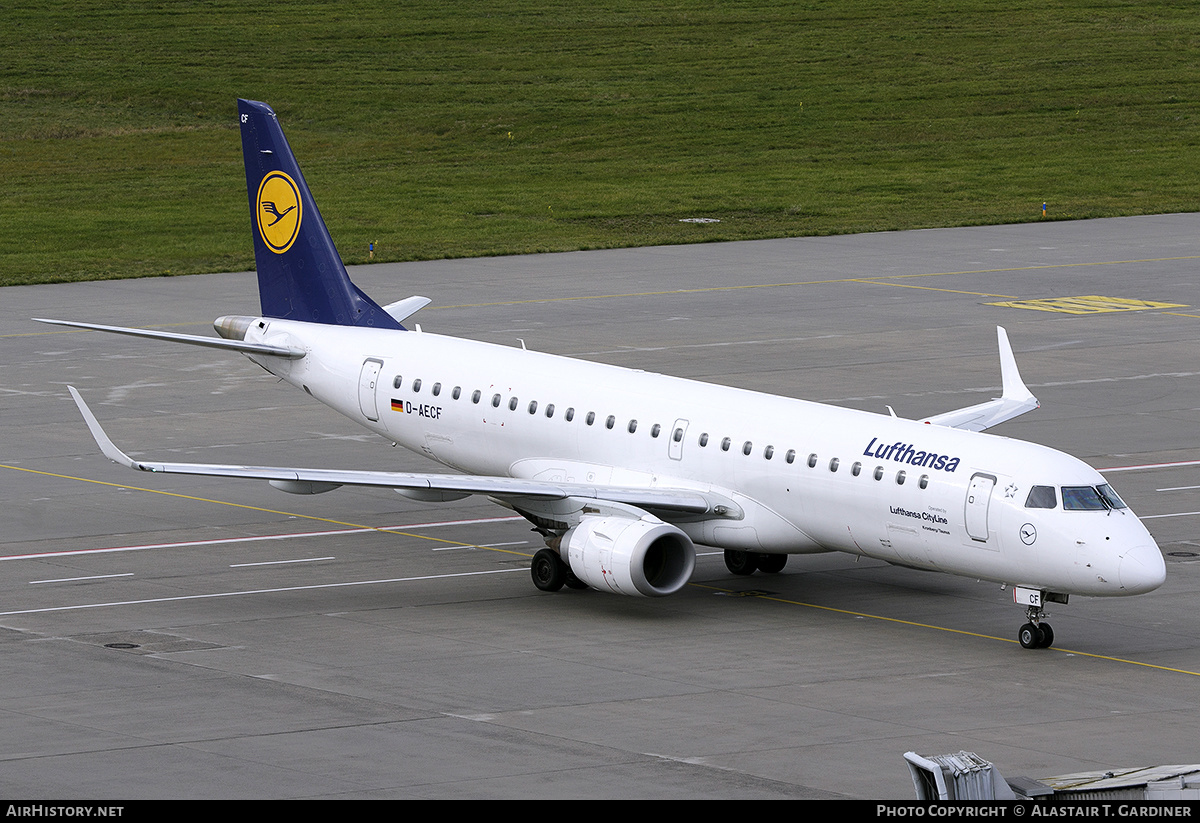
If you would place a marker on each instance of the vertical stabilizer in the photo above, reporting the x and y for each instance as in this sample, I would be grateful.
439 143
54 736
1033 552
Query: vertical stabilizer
300 275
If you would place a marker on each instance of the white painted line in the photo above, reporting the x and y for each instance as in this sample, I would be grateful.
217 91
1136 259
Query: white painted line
81 606
1156 516
1177 488
280 562
481 546
73 579
221 541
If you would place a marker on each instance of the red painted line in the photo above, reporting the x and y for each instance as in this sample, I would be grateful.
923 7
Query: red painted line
1152 466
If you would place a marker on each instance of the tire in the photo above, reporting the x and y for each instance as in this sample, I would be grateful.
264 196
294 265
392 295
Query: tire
772 563
1047 635
740 562
1030 636
548 571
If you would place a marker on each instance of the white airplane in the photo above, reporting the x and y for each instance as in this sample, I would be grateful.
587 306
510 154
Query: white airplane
624 471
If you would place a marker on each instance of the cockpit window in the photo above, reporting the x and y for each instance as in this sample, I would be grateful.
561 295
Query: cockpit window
1041 497
1111 497
1082 498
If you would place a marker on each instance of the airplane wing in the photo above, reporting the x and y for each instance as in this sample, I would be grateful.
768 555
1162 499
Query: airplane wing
192 339
1015 398
438 486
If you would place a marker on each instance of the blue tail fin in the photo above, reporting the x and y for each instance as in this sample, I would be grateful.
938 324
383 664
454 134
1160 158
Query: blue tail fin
300 275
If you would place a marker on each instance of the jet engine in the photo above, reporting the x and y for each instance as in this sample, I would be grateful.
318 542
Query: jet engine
642 558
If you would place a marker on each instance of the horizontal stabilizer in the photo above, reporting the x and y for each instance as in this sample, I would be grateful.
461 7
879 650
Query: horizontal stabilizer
683 501
190 339
401 310
1014 401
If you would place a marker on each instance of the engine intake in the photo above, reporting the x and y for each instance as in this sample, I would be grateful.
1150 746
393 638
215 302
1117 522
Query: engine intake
642 558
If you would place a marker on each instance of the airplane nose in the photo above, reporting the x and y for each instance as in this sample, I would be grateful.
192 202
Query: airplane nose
1142 569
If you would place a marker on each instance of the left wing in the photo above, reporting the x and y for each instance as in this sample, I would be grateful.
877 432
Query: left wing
678 501
1015 399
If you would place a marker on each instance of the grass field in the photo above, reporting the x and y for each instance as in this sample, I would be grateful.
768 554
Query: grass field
469 128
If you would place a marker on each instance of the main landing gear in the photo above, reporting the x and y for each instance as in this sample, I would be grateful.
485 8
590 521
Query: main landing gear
550 573
750 562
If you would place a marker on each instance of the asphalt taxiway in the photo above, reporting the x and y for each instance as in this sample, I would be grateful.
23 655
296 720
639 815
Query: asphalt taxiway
166 636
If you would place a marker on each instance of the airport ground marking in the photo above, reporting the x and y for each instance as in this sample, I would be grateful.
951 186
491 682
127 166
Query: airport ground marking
256 538
383 530
1087 304
877 279
281 589
931 288
705 289
784 600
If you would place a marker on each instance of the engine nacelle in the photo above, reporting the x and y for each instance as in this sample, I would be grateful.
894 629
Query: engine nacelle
643 558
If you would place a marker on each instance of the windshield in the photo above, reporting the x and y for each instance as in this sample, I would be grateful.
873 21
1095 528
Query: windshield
1041 497
1111 497
1082 498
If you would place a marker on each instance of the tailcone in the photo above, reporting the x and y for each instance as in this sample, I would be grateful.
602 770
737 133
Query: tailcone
233 326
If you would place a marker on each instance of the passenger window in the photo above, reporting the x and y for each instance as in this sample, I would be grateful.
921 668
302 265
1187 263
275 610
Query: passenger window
677 435
437 389
569 415
924 481
833 464
725 444
812 461
591 418
879 472
416 386
704 439
900 475
632 426
769 452
475 395
533 407
856 469
655 429
790 457
549 409
512 404
495 401
747 447
396 381
457 393
610 422
1041 497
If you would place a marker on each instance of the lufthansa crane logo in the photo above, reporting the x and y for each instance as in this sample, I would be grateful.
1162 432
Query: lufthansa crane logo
279 211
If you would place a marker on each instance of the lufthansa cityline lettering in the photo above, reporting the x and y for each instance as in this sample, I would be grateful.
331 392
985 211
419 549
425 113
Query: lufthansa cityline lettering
906 453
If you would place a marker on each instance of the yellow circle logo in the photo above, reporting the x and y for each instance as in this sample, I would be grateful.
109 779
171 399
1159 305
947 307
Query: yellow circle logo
278 211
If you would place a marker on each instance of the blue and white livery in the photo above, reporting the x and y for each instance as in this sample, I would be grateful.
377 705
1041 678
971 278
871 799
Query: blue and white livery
624 472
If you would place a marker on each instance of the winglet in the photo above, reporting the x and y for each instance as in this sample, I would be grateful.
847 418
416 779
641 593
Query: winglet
1015 398
102 440
1014 386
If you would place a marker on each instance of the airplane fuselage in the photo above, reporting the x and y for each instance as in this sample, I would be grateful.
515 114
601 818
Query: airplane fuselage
806 477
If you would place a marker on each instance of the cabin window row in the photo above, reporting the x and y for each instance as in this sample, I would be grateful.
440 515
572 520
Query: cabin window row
747 447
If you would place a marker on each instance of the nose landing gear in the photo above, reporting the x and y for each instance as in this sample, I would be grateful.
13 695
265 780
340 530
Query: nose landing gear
1035 634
